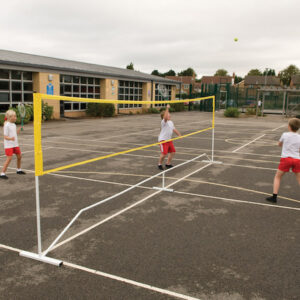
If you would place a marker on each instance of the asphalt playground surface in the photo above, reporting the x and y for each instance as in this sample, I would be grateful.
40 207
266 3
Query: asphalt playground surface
213 237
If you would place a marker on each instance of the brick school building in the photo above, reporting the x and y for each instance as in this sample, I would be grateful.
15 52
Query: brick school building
23 74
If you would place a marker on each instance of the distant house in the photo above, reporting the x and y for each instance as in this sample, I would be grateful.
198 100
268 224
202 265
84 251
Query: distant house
254 83
295 81
185 82
219 80
261 81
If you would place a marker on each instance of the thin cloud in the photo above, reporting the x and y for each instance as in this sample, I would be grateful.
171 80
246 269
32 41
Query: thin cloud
157 34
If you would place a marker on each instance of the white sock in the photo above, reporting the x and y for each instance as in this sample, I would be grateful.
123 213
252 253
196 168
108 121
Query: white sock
2 174
19 170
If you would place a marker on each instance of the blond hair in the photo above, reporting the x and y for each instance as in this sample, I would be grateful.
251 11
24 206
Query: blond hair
9 114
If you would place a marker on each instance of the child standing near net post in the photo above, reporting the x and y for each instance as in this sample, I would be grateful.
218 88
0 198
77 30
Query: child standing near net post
290 156
11 145
167 129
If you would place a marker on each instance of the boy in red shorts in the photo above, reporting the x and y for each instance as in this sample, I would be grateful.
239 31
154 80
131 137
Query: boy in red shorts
11 145
167 128
290 156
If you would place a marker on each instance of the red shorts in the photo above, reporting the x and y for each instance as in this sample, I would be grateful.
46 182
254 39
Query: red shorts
287 163
11 151
167 147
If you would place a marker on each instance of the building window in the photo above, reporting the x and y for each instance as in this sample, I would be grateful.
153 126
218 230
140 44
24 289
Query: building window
162 93
81 87
186 86
130 90
15 87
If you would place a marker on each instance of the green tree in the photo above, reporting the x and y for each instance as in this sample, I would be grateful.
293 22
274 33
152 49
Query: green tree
221 72
170 73
130 66
187 72
238 79
254 72
269 72
156 73
286 74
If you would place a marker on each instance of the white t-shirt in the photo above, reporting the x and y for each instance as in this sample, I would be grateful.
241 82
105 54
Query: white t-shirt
291 145
10 130
166 130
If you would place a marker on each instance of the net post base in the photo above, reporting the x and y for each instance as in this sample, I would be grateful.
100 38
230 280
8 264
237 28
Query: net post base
163 189
41 258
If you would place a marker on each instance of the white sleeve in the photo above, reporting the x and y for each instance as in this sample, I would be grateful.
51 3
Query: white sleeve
282 138
171 124
5 130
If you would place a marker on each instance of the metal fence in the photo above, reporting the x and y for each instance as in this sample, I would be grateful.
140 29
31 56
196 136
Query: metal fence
280 102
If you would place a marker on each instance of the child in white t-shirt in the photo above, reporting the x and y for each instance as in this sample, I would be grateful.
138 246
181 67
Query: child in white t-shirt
11 145
167 148
290 156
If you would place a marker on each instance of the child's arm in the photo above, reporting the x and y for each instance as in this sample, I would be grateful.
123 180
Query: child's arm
19 130
9 138
166 113
280 144
177 132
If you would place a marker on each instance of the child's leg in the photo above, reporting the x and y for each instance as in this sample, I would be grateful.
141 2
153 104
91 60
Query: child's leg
161 158
277 180
170 157
6 164
298 177
19 157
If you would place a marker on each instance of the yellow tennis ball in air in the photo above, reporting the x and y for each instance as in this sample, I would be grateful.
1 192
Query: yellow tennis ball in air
236 39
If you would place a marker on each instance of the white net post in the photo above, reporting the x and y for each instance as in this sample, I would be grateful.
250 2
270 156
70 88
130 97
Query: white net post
38 214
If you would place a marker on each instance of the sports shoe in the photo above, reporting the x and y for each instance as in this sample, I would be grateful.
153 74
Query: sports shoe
3 177
169 166
160 167
21 172
271 199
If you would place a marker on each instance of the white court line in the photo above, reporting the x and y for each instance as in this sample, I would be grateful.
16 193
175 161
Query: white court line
125 209
22 152
115 277
250 167
131 282
278 127
125 134
157 151
149 188
239 201
10 248
178 192
188 148
181 179
248 143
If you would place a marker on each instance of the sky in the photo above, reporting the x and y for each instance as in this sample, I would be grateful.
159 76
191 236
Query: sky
158 34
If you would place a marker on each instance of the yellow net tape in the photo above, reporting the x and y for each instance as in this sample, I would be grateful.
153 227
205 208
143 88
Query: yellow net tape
65 98
38 118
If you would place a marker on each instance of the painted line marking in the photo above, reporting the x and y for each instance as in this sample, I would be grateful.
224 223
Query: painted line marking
125 209
28 151
248 143
157 151
178 192
149 188
278 127
117 278
10 248
188 148
131 282
239 201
